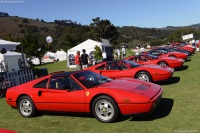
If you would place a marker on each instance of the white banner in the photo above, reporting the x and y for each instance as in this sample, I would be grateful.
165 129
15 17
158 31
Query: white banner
189 36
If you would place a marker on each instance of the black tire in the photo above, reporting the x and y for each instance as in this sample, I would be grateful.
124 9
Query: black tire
105 109
144 76
162 63
26 107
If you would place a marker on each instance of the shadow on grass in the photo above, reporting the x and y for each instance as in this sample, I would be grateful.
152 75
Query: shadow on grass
164 108
187 60
182 68
65 114
172 80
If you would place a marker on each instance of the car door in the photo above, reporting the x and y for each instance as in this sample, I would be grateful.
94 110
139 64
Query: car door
65 96
39 94
116 70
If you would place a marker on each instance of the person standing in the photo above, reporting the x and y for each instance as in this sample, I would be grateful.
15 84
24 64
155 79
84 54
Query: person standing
137 51
77 60
142 49
84 59
118 54
123 52
104 56
197 45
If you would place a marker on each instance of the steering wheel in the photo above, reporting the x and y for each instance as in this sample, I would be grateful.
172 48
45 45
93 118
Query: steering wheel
91 79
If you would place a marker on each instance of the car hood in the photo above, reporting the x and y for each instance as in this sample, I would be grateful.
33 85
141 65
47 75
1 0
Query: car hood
171 58
133 86
158 67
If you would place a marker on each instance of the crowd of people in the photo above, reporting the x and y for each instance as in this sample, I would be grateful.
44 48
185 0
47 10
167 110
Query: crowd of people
120 53
83 60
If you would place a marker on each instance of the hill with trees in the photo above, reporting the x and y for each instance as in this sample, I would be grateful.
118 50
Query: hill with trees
66 33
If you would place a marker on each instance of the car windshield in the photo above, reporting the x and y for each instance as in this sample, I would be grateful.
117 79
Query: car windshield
130 63
90 79
152 56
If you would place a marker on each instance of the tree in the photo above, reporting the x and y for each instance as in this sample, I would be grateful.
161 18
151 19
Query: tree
103 29
177 34
37 19
31 46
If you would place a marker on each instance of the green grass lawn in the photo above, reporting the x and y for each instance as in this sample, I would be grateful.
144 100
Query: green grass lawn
178 111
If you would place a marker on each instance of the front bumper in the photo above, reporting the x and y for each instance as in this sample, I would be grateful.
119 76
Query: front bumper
141 108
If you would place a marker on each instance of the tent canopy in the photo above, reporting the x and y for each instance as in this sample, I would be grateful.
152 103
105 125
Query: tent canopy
12 59
8 45
61 55
88 44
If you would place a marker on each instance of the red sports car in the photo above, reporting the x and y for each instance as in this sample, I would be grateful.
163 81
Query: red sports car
7 131
85 91
129 69
164 53
189 47
148 59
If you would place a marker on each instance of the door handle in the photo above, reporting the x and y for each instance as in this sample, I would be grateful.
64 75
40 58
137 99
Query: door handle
39 93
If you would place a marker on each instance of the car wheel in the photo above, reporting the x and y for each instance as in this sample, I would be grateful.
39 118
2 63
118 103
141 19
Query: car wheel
26 106
105 109
144 76
162 63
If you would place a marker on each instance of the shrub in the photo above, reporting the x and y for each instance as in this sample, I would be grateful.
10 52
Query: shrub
97 53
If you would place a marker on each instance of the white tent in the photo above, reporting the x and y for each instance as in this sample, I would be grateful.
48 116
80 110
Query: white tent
11 61
35 61
61 55
88 45
50 54
8 45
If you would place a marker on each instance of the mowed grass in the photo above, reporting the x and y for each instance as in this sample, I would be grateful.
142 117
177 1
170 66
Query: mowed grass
178 111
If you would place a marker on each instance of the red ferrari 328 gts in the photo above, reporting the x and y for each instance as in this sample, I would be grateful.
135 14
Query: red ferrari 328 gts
148 59
87 92
164 53
124 68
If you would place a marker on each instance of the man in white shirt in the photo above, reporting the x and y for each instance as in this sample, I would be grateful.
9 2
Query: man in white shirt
119 54
104 56
136 51
123 52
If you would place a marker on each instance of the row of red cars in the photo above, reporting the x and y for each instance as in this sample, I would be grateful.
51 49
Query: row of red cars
106 90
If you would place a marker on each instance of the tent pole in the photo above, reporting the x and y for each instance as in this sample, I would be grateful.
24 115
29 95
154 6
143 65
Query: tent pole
22 50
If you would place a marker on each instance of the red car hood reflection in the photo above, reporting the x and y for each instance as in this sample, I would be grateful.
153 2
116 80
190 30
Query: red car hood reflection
126 84
157 67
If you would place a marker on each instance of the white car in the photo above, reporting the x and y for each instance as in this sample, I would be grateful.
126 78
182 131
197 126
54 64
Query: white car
48 59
